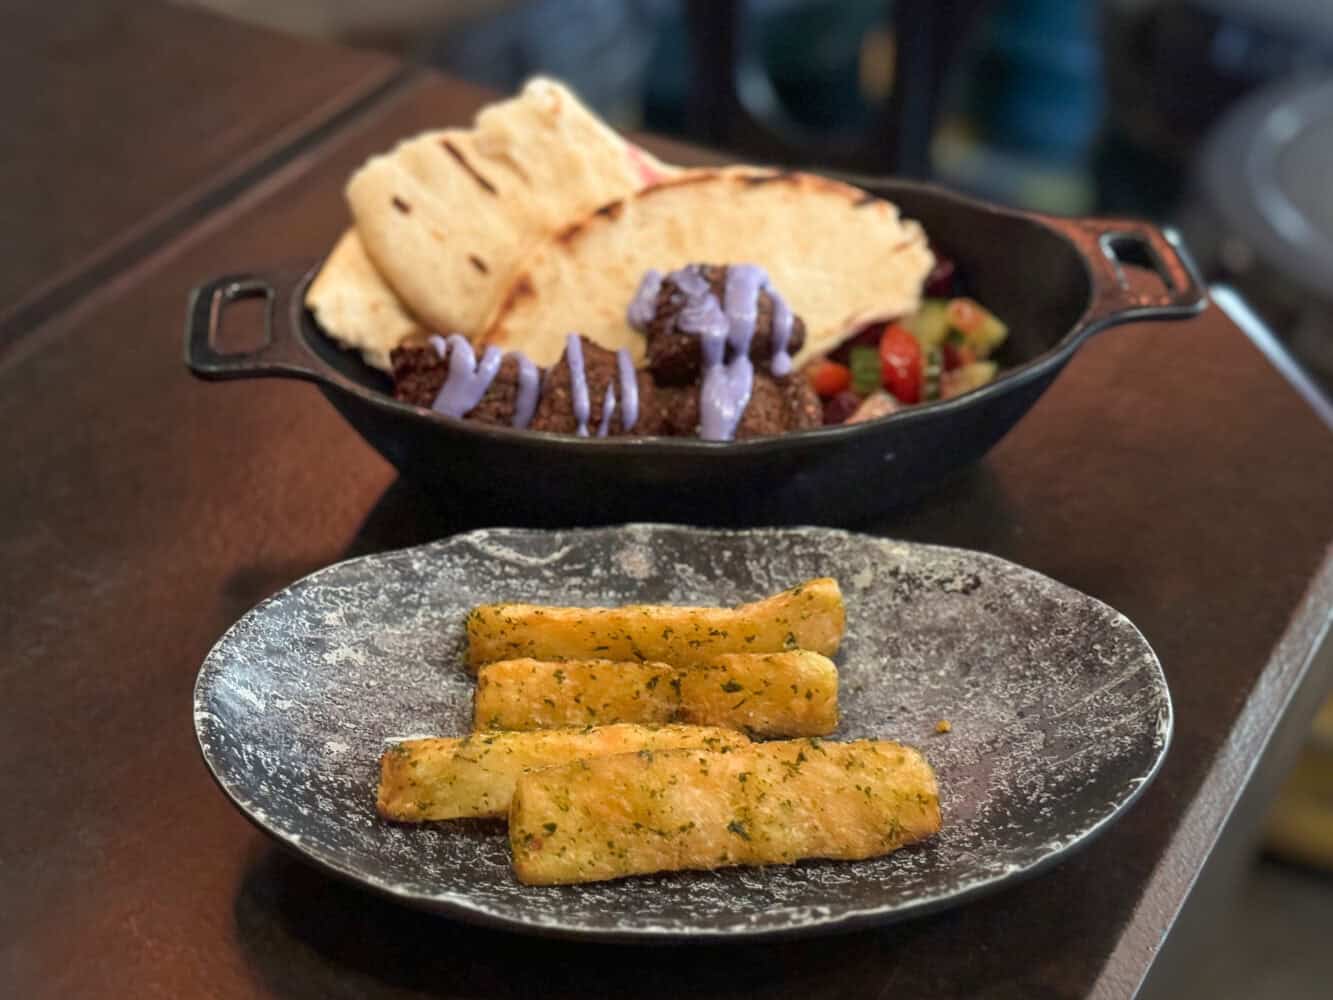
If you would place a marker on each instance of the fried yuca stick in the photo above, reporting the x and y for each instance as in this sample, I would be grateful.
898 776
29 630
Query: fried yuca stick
765 803
543 694
809 616
764 694
450 778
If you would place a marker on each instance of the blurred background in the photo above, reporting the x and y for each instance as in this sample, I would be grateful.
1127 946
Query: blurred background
1213 115
1216 115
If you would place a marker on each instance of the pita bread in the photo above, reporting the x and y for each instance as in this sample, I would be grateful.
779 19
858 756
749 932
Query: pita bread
841 258
355 306
446 216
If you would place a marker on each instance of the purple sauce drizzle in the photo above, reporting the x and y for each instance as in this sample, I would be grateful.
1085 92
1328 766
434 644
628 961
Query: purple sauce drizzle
468 380
690 280
723 396
644 304
629 390
525 405
608 408
740 298
578 382
702 313
722 327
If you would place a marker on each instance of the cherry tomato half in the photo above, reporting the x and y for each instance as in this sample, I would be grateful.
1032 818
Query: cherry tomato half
830 378
901 363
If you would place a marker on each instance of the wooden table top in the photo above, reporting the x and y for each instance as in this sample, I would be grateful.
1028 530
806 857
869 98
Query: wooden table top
1171 471
127 116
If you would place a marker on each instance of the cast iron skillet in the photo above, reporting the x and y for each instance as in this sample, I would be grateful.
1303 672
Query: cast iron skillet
1055 282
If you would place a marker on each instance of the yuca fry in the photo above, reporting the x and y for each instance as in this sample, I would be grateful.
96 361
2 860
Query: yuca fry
769 694
809 616
541 694
764 694
765 803
450 778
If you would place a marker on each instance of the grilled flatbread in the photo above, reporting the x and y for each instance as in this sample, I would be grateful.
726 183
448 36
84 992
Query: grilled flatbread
840 257
355 306
446 216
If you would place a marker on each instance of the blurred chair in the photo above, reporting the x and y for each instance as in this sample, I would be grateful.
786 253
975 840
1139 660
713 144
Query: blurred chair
928 35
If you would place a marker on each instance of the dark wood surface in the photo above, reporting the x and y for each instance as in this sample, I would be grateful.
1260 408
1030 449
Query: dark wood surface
121 116
1170 472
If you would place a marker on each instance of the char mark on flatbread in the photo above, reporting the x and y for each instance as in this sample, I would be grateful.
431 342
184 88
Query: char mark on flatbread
476 174
478 263
513 165
571 232
401 205
520 289
683 179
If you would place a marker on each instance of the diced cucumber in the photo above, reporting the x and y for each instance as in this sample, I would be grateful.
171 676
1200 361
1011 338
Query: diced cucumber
930 323
866 370
989 335
966 378
978 326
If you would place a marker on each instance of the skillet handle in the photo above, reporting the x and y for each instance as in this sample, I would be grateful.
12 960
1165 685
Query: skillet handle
280 356
1109 244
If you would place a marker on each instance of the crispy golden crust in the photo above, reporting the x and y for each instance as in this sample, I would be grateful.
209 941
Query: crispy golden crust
451 778
809 616
771 695
763 694
539 694
767 803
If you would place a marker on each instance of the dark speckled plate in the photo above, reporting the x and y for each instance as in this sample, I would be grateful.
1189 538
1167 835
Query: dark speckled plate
1059 708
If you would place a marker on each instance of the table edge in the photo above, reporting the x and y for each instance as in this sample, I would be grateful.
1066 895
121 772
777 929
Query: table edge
1308 635
1241 313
